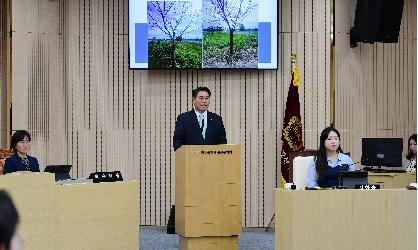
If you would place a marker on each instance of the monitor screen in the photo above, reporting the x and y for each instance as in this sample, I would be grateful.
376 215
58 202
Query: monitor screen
349 179
203 34
58 168
382 152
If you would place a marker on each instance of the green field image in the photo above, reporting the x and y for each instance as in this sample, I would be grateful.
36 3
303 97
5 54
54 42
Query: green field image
216 49
187 54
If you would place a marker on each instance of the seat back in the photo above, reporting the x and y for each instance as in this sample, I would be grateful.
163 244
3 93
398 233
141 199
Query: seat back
293 155
4 154
300 171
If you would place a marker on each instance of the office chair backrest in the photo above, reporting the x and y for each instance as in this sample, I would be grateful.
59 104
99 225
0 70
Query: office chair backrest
300 171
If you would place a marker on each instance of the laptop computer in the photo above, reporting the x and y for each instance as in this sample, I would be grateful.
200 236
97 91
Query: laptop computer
62 172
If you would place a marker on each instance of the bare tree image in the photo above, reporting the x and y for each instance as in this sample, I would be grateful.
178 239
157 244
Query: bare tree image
231 13
171 23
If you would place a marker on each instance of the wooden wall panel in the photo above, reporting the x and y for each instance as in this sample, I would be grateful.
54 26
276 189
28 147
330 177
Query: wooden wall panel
86 108
3 73
375 83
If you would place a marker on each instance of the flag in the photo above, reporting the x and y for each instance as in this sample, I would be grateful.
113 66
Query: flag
292 127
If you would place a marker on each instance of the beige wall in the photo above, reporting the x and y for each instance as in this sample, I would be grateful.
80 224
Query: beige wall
84 107
376 84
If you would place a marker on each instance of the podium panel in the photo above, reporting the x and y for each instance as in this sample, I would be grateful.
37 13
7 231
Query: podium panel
74 216
208 243
197 194
97 216
209 220
346 219
34 197
392 180
208 190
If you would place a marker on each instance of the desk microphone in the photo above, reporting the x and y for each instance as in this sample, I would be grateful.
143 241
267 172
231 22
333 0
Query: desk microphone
340 177
349 165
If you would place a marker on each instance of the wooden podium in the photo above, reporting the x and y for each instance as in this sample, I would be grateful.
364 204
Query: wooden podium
74 216
208 196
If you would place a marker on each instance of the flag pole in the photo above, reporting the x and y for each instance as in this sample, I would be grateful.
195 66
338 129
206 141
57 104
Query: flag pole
293 58
291 139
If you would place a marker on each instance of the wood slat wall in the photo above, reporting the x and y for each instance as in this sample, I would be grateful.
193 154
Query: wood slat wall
376 84
73 91
3 74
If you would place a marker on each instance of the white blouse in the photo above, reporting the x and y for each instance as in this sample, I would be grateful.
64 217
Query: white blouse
412 166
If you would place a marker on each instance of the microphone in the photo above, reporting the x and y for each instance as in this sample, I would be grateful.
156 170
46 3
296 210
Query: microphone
349 165
340 176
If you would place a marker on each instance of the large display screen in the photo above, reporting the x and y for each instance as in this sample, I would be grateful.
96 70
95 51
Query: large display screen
203 34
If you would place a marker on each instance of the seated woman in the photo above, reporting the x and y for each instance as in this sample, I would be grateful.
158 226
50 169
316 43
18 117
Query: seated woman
21 161
410 163
329 161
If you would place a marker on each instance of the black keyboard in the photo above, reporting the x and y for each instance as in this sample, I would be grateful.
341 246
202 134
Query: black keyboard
386 171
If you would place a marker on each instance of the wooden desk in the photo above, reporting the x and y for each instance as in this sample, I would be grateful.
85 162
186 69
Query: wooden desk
76 216
392 180
346 219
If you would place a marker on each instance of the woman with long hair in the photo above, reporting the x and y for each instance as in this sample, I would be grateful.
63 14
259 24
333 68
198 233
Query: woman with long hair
329 161
410 163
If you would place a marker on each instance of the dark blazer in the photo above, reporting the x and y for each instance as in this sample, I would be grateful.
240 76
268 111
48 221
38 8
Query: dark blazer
188 132
14 163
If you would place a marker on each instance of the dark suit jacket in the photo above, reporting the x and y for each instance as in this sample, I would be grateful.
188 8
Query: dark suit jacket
188 132
14 163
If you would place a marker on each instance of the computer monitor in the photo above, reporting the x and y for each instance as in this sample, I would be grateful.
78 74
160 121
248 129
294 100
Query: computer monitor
382 152
62 172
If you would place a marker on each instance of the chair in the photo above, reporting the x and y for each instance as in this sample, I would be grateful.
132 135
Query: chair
300 171
4 154
293 155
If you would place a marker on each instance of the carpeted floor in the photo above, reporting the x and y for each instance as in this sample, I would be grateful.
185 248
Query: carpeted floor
250 238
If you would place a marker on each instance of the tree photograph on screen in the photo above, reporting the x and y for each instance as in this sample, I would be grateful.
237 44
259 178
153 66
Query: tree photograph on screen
230 34
203 34
174 34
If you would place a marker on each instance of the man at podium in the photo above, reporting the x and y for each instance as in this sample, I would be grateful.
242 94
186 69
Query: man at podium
199 126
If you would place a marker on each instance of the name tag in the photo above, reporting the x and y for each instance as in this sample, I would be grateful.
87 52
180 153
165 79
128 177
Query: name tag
367 187
106 176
